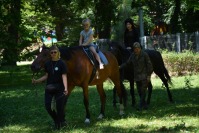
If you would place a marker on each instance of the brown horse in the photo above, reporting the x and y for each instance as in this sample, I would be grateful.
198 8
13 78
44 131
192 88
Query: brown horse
79 71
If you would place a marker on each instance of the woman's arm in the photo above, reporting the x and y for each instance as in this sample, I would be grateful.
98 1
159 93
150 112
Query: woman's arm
64 78
80 40
149 67
43 78
127 62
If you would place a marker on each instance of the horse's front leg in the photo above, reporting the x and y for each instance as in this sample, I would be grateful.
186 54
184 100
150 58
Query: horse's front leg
102 99
150 88
114 97
132 92
86 104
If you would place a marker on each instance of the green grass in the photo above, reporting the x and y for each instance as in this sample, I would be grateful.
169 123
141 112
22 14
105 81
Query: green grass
22 108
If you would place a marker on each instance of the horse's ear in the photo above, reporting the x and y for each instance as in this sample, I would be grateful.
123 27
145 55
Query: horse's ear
42 47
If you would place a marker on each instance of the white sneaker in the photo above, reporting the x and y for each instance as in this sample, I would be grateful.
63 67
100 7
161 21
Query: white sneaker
101 66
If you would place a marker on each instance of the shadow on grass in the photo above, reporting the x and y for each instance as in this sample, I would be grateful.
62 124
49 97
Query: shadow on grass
21 106
22 109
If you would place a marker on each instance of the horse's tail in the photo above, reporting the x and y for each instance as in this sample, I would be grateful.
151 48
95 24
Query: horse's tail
165 71
168 77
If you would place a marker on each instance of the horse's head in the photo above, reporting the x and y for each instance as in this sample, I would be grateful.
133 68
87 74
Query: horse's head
39 62
118 51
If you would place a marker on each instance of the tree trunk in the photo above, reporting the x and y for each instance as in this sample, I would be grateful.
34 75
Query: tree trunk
11 53
104 17
59 28
174 19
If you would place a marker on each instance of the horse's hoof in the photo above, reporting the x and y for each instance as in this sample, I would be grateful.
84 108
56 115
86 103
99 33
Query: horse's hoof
87 121
101 116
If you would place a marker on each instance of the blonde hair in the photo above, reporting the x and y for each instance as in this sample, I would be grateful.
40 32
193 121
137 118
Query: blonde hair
86 20
54 47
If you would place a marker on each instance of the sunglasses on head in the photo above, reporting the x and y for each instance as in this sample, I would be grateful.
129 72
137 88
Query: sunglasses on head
53 52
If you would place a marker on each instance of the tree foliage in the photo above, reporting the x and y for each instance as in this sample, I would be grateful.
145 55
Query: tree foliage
22 22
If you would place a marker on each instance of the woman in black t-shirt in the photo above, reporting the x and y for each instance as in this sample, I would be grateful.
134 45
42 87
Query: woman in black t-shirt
55 74
130 35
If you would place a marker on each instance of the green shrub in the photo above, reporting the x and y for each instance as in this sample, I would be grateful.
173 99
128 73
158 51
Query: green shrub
182 63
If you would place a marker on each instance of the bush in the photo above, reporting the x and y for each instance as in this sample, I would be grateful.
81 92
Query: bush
180 64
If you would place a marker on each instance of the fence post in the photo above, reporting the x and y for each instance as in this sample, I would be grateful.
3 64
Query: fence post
197 41
143 42
178 49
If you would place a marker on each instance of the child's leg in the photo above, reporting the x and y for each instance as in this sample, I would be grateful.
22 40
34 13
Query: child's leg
96 56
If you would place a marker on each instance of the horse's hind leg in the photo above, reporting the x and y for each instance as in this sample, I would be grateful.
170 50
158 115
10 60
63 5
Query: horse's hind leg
102 99
116 81
123 92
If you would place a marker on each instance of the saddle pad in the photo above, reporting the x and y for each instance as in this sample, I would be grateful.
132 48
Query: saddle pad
103 58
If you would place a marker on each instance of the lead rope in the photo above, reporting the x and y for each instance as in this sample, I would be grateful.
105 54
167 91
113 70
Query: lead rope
33 85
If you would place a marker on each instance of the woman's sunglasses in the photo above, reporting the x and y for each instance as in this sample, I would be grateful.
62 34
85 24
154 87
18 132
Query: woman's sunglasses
53 52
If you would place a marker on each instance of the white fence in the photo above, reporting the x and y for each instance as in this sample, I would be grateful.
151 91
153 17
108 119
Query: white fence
172 42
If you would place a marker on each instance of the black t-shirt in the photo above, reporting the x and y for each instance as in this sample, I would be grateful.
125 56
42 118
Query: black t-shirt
130 37
55 69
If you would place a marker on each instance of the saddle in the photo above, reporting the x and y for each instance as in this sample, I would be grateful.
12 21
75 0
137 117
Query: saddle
94 61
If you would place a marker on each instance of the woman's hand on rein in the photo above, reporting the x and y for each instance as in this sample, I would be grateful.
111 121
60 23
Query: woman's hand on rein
65 92
33 81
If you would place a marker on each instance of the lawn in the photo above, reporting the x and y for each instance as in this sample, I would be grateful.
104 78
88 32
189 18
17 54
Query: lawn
22 107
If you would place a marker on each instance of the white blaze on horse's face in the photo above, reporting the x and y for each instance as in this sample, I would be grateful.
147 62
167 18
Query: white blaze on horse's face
40 49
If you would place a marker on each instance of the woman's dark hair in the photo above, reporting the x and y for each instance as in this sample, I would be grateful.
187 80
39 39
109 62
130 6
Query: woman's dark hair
129 20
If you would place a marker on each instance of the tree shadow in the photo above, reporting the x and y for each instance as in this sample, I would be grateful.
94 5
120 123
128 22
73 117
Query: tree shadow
21 106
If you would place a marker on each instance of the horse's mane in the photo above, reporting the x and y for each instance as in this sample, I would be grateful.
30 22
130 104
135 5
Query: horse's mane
66 52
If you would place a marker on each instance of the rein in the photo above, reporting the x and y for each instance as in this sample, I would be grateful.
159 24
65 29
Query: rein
34 86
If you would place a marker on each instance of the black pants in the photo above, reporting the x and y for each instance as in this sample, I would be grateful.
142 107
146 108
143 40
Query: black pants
59 115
